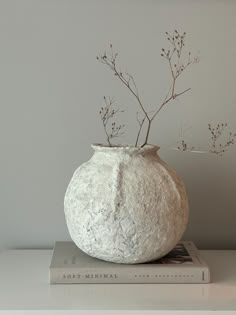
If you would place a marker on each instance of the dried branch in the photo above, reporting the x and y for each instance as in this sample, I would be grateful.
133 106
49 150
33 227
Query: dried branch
216 134
216 146
177 64
177 67
110 61
107 112
126 78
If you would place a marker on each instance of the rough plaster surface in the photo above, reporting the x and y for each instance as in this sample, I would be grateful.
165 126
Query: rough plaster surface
126 205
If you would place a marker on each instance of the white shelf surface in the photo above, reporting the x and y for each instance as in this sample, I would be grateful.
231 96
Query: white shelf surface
24 285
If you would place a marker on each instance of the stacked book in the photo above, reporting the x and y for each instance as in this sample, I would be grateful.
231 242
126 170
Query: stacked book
183 264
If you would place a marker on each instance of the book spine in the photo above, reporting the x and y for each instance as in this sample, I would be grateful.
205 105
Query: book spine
163 275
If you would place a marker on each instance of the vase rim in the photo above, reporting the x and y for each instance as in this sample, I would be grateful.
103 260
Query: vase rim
124 148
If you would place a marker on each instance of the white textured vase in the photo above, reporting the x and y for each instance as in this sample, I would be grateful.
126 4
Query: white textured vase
126 205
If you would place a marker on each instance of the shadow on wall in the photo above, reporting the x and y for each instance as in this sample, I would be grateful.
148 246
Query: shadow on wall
211 190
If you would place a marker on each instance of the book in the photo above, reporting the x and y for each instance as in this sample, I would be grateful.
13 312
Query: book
183 264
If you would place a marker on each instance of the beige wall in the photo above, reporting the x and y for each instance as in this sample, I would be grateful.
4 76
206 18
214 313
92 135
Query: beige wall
52 87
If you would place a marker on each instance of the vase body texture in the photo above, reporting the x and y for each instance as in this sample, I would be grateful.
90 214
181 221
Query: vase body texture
126 205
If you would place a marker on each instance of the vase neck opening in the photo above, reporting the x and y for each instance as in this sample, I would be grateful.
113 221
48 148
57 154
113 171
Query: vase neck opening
126 149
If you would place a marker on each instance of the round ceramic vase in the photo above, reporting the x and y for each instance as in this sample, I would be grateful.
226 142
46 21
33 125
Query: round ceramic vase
126 205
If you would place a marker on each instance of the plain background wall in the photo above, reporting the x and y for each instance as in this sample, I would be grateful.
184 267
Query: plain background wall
51 88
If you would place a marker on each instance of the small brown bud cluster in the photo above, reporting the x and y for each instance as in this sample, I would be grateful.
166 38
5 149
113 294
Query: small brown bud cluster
116 130
177 40
108 59
184 147
217 133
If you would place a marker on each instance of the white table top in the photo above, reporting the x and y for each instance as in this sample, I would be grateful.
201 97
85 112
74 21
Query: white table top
24 285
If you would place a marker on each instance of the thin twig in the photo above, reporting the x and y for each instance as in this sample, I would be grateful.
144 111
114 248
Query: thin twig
140 128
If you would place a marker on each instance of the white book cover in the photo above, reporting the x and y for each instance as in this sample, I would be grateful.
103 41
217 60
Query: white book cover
182 265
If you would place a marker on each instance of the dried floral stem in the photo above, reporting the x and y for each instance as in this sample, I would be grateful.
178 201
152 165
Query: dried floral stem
107 112
110 61
177 66
217 133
